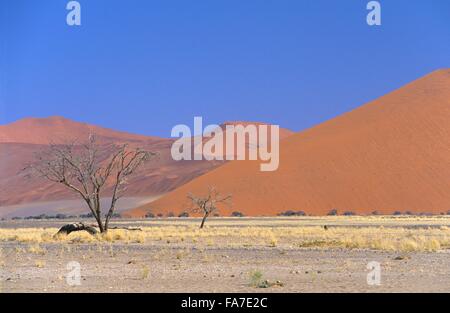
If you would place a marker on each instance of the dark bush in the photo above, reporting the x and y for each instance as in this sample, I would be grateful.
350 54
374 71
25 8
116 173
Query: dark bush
160 215
59 216
287 213
333 212
37 217
88 215
397 213
183 214
292 213
375 213
237 214
115 215
149 215
349 213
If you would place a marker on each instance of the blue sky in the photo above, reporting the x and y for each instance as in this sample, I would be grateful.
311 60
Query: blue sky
144 66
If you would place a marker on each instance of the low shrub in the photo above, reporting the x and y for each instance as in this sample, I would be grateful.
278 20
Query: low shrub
292 213
88 215
333 212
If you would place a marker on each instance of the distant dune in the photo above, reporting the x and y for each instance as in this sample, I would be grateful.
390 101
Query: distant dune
19 141
392 154
57 129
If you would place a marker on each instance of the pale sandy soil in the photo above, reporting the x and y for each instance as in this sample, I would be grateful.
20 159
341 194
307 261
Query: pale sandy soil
187 266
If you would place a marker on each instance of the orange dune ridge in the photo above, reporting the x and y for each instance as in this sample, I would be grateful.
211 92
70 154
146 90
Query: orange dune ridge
392 154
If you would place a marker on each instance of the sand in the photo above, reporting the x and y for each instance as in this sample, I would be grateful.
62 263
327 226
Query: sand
183 266
389 155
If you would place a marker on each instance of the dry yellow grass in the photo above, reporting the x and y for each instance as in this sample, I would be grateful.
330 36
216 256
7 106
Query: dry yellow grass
36 249
145 272
386 220
280 233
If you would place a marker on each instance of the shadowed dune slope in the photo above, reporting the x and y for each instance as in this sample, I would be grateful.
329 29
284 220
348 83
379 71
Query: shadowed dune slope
392 154
19 141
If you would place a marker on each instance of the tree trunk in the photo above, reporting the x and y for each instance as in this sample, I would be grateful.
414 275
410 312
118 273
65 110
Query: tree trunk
100 225
203 220
98 217
95 210
108 216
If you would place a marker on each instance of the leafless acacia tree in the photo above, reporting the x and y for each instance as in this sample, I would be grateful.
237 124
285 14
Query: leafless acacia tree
208 204
87 168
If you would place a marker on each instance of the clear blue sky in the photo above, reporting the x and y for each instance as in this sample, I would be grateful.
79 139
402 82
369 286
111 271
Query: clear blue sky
144 66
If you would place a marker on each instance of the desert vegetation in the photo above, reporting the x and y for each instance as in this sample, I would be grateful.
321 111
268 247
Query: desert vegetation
208 204
245 254
409 234
87 169
257 280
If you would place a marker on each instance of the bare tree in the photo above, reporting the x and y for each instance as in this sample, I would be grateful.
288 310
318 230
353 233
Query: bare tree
208 204
87 169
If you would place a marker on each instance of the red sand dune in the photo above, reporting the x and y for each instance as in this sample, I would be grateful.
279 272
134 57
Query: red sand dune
250 143
390 154
20 140
57 129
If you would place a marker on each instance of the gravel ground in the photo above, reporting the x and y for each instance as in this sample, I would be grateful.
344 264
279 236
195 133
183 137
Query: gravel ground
120 267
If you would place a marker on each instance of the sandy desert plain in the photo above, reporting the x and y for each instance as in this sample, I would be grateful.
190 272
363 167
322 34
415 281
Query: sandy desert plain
278 254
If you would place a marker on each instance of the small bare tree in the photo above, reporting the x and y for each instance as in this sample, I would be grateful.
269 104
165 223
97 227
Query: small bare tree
208 204
86 169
